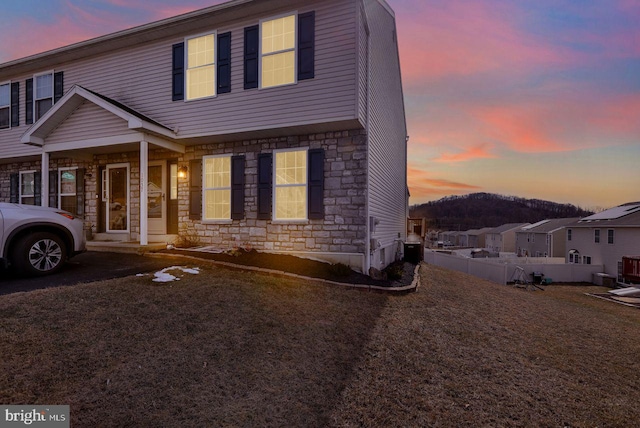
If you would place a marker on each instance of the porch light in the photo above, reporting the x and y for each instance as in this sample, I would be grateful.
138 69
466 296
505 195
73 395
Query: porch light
182 171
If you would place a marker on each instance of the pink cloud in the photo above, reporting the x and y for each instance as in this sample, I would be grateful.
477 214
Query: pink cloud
424 187
474 152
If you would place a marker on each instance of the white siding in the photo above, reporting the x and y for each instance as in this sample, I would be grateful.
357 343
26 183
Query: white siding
387 132
87 122
140 77
626 243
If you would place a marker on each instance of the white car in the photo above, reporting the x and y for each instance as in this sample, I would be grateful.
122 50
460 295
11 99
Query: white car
37 240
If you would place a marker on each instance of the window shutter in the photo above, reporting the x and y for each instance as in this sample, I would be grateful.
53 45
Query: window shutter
14 193
224 63
237 187
316 184
80 172
28 102
265 190
15 104
53 188
195 189
306 45
251 47
37 188
178 72
58 86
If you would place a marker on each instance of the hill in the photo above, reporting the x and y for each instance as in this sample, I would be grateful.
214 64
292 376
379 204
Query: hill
479 210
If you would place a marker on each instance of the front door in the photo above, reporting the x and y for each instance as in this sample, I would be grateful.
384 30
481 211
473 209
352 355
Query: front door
156 202
116 196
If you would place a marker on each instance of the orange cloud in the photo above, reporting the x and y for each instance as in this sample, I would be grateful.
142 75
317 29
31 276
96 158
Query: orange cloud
424 187
475 152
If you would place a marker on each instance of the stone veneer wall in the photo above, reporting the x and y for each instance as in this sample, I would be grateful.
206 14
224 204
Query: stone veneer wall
343 229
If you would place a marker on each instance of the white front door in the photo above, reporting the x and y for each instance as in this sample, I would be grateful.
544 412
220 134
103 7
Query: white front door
116 196
157 200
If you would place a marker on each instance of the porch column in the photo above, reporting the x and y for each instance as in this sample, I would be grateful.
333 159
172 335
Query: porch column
44 180
144 199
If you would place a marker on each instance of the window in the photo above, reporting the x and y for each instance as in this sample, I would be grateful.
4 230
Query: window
43 95
28 187
568 234
586 260
596 236
201 69
217 187
574 256
173 181
290 185
5 105
67 190
610 236
278 51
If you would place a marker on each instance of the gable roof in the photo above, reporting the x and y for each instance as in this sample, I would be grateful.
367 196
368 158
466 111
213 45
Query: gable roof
37 134
548 226
627 215
506 227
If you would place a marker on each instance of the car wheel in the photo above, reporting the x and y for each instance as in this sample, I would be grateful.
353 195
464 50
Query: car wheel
39 254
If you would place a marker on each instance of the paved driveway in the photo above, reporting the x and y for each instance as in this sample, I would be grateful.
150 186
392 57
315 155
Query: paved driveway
86 267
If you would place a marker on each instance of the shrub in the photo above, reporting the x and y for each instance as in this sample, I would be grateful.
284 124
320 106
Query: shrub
340 270
395 270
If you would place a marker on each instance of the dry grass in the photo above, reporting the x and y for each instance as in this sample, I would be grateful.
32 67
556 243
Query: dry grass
228 348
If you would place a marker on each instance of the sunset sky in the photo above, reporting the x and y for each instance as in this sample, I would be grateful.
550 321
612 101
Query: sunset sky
537 99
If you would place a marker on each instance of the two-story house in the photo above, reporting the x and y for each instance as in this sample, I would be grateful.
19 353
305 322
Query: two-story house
545 238
274 123
502 239
605 237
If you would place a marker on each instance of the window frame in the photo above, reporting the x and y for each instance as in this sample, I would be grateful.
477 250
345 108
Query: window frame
214 64
8 106
569 233
596 236
275 186
294 49
610 236
205 189
75 187
35 92
20 194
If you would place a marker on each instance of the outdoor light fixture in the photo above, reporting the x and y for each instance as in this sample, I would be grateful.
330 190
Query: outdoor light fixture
182 171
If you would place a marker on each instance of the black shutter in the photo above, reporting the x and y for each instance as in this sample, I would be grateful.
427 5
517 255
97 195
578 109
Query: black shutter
195 189
237 187
178 72
265 178
14 193
224 63
316 184
251 47
58 86
306 45
53 188
80 172
37 188
28 101
15 104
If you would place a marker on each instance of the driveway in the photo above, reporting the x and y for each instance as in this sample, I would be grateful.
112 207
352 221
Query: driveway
87 267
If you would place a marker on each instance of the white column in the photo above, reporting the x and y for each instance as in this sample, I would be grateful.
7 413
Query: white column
44 180
144 199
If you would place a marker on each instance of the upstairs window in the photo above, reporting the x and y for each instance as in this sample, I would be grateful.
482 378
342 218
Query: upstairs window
278 51
5 105
610 236
569 234
596 236
43 94
201 68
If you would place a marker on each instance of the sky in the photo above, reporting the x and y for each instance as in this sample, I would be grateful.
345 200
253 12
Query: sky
536 99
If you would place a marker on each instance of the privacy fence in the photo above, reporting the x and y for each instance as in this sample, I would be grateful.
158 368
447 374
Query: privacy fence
502 273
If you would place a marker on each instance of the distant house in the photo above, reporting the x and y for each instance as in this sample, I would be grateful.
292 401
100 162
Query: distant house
502 239
474 238
545 238
279 125
604 238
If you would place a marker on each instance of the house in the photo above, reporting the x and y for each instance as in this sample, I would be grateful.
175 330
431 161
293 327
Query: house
545 238
474 238
502 239
276 124
605 238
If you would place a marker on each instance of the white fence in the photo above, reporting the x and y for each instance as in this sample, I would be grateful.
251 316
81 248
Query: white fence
502 273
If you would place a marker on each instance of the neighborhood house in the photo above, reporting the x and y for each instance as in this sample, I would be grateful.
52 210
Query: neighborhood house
274 124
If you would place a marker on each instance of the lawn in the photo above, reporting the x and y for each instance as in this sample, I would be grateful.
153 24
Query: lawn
230 348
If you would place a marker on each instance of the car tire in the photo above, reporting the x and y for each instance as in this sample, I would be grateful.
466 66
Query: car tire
40 254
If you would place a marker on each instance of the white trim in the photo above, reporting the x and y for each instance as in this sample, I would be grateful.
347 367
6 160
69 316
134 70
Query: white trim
35 99
75 190
214 64
128 193
274 186
20 195
8 83
143 191
295 49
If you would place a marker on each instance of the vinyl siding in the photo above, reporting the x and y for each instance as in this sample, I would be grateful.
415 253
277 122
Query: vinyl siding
87 122
140 77
387 132
626 243
363 63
